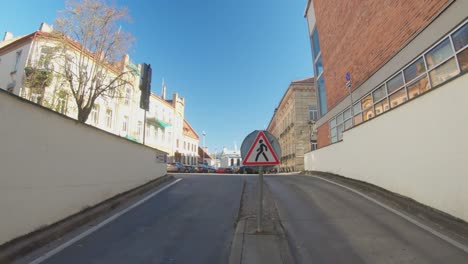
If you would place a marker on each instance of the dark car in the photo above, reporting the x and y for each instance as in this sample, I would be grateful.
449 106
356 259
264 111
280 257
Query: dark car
247 170
202 168
190 169
175 167
211 169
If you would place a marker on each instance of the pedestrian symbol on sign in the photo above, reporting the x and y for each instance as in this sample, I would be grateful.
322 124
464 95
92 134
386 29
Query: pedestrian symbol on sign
261 150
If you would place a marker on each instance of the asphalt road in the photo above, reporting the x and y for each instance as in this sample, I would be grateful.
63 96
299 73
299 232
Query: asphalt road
190 222
328 224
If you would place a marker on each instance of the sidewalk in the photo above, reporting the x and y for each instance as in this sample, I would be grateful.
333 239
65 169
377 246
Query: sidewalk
269 246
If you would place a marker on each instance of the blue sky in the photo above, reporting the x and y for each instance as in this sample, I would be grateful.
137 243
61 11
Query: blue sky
232 60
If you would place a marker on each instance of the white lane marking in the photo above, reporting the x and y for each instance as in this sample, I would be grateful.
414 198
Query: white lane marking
96 227
423 226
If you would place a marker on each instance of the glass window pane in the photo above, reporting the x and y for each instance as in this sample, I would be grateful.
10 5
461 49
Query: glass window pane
398 98
439 53
463 59
395 83
333 123
368 114
443 72
339 118
322 96
357 119
339 131
366 102
414 70
381 107
357 108
315 43
379 93
318 66
347 114
333 132
418 88
348 124
334 139
460 38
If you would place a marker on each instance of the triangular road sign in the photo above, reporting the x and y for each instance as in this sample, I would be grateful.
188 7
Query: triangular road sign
261 153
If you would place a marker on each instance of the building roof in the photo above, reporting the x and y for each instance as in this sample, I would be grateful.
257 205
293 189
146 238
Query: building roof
189 131
11 42
200 154
306 81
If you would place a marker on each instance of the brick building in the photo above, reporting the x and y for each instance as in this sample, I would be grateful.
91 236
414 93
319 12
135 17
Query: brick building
380 43
402 123
292 124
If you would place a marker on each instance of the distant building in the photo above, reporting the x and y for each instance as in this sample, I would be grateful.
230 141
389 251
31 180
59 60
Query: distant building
204 157
165 127
230 158
293 124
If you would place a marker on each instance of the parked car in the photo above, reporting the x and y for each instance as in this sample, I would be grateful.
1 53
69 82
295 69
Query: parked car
211 169
229 170
247 170
175 167
190 169
221 170
202 168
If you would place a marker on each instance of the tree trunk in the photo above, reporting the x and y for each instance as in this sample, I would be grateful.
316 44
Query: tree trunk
83 114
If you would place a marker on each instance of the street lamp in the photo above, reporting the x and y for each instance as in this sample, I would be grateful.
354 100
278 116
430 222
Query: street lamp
204 146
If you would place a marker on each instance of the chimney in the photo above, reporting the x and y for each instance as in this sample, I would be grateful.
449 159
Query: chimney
7 36
46 27
163 93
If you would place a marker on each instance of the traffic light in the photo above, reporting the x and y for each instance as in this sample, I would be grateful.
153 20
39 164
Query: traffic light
145 86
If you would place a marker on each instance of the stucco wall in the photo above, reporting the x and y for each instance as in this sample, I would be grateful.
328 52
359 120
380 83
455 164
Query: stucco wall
419 150
51 166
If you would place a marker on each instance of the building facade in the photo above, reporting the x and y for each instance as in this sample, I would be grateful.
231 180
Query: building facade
293 124
163 126
388 64
403 125
230 158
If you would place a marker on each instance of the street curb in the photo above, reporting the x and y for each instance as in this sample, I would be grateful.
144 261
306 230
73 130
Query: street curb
28 243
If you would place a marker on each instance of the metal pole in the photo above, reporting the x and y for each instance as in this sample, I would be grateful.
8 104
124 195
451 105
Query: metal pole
144 128
260 200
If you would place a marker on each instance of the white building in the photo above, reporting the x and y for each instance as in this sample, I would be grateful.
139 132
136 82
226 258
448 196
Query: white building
166 129
230 158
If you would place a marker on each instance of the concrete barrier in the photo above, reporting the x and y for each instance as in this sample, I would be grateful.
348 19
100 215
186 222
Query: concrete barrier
419 150
52 166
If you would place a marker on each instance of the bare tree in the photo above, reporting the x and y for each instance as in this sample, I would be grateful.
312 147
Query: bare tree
91 48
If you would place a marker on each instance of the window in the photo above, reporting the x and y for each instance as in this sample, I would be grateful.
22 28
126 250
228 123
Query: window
395 83
125 124
381 107
418 87
139 128
463 59
366 102
443 72
379 93
315 44
319 66
17 61
357 113
177 143
322 95
398 98
439 54
61 105
414 70
44 59
128 96
460 38
109 118
313 113
95 115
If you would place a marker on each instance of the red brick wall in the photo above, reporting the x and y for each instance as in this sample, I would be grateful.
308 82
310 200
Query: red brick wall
322 135
359 36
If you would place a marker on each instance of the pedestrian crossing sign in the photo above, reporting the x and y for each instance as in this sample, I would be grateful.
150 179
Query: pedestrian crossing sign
261 153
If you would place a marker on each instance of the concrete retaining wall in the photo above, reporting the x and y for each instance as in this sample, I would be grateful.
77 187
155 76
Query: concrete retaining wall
52 167
419 150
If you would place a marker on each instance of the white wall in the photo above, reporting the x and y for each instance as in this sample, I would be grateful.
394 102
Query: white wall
419 150
52 166
7 64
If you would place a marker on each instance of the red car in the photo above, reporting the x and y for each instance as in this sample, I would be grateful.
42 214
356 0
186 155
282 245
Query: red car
221 170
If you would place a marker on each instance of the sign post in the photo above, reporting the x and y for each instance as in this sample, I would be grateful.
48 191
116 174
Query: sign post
260 149
348 85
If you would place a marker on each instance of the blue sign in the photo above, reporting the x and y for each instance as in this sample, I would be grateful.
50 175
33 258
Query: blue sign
348 76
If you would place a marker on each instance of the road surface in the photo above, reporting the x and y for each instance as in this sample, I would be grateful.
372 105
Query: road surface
190 222
329 224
